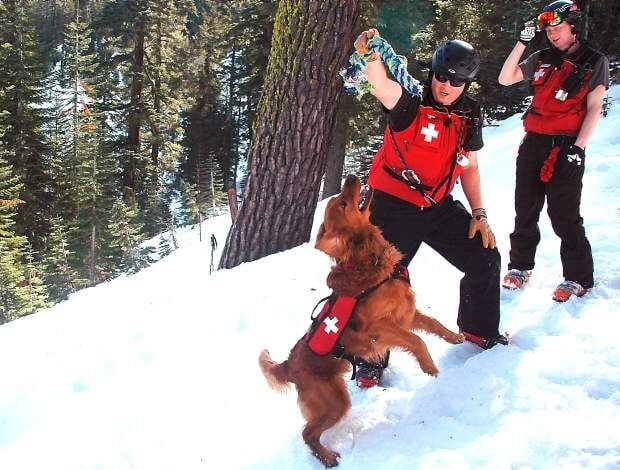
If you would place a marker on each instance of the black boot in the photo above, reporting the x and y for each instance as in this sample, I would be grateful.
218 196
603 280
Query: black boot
486 343
368 374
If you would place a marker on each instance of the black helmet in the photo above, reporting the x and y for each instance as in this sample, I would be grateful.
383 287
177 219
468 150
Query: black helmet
561 10
456 59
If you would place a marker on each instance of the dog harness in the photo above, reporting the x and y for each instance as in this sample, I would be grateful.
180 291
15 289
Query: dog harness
327 327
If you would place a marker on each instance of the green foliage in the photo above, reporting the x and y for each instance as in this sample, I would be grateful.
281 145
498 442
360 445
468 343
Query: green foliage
14 298
126 238
21 117
493 28
166 92
59 273
21 290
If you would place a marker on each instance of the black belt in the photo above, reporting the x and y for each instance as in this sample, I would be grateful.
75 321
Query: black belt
557 140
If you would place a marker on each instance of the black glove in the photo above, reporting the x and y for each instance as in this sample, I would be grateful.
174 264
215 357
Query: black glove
528 32
571 163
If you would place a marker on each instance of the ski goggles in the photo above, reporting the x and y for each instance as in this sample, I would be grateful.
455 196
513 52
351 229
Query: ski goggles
549 18
453 82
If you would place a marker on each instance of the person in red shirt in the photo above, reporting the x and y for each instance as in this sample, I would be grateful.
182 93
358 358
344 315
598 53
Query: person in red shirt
569 80
430 141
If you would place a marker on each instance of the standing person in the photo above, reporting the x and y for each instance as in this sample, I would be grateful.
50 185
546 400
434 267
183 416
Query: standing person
569 81
430 141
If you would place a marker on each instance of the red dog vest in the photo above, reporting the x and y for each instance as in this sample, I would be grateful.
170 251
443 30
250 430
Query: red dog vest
327 327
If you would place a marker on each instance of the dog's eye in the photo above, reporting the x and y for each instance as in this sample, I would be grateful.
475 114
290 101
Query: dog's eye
343 204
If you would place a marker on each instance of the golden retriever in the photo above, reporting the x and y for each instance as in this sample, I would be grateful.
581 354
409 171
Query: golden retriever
382 320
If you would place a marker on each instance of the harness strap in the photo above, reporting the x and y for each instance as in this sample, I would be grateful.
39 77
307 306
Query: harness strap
312 316
408 176
400 272
340 353
455 160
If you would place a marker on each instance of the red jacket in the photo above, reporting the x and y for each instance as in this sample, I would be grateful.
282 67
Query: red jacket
429 147
549 115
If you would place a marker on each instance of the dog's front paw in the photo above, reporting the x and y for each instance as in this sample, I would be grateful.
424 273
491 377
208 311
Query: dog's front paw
460 338
430 369
453 338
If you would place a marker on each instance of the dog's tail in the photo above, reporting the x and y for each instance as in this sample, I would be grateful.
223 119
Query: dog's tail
276 374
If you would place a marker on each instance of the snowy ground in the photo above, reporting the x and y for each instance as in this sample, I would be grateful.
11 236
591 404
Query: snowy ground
159 370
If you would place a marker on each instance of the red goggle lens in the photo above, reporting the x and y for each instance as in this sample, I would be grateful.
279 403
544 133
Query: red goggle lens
548 18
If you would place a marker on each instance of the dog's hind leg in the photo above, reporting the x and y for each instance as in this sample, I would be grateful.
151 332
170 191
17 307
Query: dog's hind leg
411 343
431 325
323 404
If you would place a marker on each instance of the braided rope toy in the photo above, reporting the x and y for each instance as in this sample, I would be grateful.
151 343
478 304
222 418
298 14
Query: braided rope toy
355 80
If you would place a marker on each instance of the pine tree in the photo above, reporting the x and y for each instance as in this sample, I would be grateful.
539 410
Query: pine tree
83 164
20 112
251 28
493 28
293 127
61 277
126 233
15 299
35 285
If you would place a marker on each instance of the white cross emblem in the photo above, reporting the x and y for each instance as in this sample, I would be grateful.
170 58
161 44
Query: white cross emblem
541 71
429 132
330 325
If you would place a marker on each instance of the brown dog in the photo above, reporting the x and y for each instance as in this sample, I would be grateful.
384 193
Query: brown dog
382 320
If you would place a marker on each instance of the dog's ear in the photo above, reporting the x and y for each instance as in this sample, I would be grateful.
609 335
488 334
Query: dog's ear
320 233
329 243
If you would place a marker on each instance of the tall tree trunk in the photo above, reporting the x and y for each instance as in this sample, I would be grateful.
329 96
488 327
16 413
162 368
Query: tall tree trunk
233 206
335 156
156 119
311 42
135 111
229 165
76 111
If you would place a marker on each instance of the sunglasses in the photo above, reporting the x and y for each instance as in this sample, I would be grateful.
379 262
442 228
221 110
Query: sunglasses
453 82
548 18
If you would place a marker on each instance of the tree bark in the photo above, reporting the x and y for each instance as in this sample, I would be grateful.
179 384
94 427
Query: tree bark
311 42
135 111
335 156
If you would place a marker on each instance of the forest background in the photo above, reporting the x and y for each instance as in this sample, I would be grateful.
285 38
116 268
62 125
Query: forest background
124 119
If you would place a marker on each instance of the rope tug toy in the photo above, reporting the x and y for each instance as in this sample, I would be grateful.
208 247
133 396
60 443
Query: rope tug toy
355 80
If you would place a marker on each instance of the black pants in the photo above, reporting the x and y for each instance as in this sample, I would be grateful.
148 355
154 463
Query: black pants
445 228
563 200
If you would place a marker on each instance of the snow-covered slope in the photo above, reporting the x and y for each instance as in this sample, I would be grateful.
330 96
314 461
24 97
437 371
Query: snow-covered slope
159 370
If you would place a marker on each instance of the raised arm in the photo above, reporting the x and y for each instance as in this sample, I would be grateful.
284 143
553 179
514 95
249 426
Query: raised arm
386 90
511 72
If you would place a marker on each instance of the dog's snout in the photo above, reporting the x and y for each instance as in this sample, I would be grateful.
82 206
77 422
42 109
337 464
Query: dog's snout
350 179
